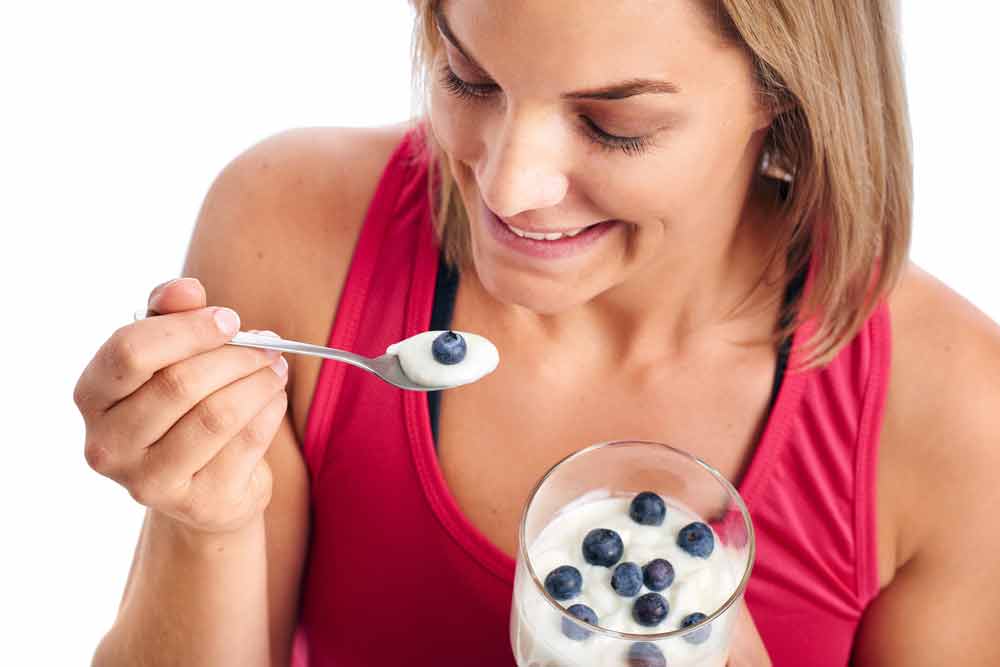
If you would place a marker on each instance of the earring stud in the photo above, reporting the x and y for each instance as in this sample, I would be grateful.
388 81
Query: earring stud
771 168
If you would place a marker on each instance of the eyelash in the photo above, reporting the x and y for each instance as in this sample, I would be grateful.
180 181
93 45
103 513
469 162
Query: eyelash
479 92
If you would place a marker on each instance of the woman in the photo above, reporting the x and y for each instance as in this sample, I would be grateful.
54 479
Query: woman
693 164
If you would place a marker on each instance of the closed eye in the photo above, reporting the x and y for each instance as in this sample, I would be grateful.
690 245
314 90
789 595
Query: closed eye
484 92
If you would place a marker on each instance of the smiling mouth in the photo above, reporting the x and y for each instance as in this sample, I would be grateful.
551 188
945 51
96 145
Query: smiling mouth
547 236
545 243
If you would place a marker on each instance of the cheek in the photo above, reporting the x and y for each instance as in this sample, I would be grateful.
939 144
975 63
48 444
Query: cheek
659 185
678 177
457 124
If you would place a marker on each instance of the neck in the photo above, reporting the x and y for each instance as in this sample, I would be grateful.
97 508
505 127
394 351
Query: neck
690 299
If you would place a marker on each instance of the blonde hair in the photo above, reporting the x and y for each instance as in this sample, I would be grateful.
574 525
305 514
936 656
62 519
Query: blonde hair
832 70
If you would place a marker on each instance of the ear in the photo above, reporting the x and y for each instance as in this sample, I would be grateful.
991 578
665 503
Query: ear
768 108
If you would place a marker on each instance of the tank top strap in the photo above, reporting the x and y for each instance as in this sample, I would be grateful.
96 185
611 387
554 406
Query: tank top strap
811 491
395 225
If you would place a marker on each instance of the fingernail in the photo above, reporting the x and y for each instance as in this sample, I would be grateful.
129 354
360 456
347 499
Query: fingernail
162 286
227 320
280 367
270 334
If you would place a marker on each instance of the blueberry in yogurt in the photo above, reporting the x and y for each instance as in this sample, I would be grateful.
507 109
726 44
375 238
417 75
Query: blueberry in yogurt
564 583
650 609
574 631
644 654
648 509
626 579
602 546
449 348
701 634
696 539
657 574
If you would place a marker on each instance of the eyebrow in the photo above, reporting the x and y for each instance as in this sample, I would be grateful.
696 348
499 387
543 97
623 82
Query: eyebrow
631 88
615 91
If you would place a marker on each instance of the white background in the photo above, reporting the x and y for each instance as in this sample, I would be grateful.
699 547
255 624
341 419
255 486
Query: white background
116 118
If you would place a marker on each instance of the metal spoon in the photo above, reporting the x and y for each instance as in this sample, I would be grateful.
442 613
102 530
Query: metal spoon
386 367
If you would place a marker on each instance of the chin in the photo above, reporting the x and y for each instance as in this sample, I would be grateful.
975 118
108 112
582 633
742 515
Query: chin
544 296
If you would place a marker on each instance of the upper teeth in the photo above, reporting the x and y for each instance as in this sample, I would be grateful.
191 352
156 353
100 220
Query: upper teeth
539 236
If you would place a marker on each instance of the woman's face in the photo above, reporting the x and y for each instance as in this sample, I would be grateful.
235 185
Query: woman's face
630 130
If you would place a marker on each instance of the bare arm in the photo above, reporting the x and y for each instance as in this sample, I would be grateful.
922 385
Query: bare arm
217 609
218 599
188 441
280 221
202 594
940 458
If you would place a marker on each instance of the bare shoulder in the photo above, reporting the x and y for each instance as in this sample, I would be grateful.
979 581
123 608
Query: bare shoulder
941 441
937 485
277 230
273 241
283 216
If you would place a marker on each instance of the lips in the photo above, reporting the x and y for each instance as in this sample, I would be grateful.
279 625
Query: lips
546 236
548 244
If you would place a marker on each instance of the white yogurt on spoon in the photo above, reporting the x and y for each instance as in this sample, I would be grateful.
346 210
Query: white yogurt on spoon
450 368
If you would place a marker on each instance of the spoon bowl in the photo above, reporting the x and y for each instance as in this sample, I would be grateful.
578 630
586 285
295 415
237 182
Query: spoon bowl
386 366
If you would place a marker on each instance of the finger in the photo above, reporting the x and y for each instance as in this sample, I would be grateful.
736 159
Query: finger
144 417
129 358
747 648
177 295
212 423
233 475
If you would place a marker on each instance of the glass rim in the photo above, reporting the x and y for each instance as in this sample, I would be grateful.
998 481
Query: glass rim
629 636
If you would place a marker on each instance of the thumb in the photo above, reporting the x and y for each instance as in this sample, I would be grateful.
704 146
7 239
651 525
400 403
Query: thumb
747 649
177 296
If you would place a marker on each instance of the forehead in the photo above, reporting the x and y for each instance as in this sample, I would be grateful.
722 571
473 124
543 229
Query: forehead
583 42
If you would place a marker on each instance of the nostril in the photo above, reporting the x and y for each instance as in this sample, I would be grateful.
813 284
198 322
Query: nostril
552 190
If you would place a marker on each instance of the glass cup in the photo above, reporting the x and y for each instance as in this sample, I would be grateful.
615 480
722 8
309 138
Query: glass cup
592 489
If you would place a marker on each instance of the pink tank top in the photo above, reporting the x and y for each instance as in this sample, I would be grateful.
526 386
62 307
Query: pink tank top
397 575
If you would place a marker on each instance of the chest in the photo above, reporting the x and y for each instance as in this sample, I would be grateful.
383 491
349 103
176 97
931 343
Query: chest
498 437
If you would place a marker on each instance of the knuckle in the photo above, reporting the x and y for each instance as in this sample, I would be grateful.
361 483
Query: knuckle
195 511
254 435
144 492
259 432
154 489
81 394
214 420
172 382
122 353
98 457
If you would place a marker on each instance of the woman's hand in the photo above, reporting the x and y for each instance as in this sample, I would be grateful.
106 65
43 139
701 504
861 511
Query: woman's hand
747 649
179 418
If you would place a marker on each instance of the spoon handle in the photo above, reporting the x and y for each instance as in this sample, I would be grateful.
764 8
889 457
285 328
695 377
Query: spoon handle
247 339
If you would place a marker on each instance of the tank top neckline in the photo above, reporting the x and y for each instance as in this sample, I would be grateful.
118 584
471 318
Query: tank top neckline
443 308
810 482
454 521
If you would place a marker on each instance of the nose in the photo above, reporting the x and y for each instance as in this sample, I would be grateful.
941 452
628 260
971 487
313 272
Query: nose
521 169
